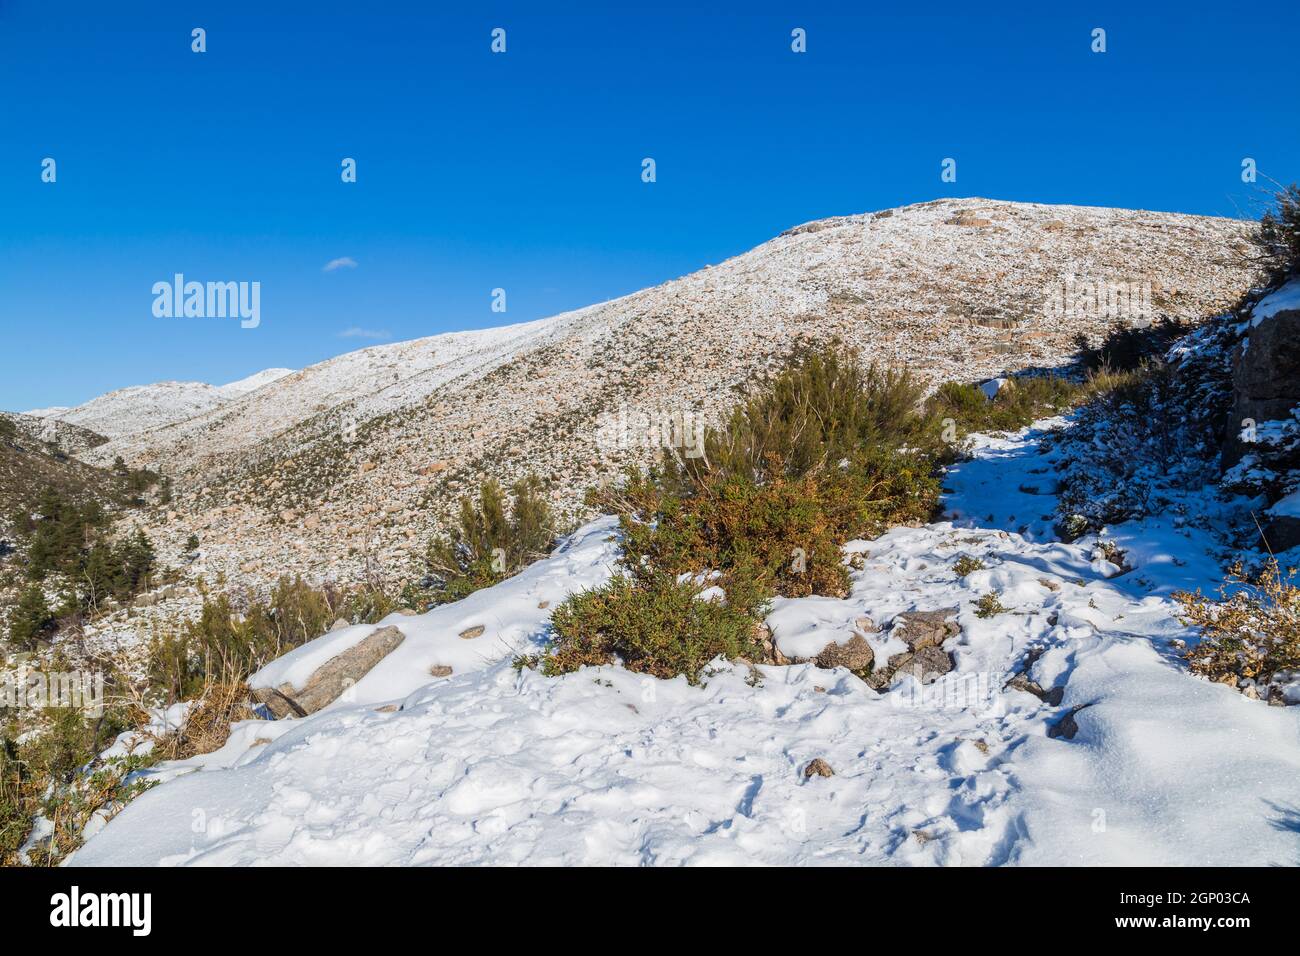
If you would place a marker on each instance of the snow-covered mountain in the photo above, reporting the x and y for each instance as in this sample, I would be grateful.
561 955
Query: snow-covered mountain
138 408
363 454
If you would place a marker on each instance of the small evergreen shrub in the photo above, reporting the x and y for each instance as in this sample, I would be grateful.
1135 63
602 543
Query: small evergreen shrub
491 542
967 565
823 411
224 646
56 771
657 626
1019 403
826 450
989 605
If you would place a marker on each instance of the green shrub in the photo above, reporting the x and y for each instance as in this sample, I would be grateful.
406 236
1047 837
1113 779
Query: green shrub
15 816
223 646
967 565
56 771
826 450
657 626
989 605
785 533
823 408
31 619
489 542
1252 632
1019 403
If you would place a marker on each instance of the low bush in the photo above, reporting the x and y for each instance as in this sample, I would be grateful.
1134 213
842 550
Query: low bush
56 771
490 541
658 626
822 411
967 565
990 605
826 450
1252 632
224 646
1018 404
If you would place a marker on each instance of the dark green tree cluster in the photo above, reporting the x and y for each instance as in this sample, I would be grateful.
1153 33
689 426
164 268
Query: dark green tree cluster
134 482
59 533
67 538
120 570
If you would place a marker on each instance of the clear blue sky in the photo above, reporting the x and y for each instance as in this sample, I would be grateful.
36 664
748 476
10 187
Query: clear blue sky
522 170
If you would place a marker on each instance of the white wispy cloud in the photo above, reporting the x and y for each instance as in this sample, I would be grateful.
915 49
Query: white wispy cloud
356 332
343 262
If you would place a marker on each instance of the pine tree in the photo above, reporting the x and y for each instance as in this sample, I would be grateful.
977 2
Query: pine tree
490 543
31 619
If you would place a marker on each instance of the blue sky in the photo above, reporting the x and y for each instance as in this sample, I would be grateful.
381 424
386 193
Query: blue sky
523 170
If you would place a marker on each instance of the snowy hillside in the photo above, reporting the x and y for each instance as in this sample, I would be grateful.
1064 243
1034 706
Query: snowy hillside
138 408
1104 752
367 453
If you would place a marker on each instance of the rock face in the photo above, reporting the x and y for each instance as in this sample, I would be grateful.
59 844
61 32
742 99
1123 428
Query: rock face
1266 388
927 665
328 682
1266 376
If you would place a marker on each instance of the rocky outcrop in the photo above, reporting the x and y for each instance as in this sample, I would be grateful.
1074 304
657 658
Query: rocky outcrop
924 633
922 629
1266 373
329 681
1266 394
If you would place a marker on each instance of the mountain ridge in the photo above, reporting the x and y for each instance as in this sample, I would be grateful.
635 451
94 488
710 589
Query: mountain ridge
355 460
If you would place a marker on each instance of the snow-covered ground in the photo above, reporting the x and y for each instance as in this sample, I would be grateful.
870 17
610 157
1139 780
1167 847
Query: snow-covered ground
605 766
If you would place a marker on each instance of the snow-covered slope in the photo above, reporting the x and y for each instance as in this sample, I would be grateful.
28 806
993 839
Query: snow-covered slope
361 457
252 383
605 766
138 408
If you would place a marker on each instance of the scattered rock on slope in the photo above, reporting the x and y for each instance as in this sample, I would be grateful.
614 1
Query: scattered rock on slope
328 682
